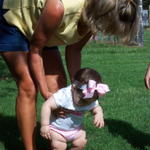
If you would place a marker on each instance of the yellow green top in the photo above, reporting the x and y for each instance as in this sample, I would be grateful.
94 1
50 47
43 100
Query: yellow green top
24 15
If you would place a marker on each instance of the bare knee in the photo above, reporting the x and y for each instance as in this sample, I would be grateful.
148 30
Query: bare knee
83 142
79 144
56 82
57 145
26 89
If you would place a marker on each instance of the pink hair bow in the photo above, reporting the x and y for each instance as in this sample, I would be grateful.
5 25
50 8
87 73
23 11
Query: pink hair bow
88 92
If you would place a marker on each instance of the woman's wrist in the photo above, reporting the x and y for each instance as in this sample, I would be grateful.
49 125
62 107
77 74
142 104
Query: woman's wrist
42 125
45 92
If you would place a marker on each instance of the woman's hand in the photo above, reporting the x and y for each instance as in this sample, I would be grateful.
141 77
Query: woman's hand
147 78
45 132
46 95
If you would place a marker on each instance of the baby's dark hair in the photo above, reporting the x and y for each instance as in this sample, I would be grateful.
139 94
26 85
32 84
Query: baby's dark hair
86 74
82 77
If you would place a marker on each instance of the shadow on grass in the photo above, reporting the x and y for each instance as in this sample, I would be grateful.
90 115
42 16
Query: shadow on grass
9 134
10 137
136 138
9 91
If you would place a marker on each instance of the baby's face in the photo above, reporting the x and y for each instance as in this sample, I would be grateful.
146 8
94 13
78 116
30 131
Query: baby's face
84 102
79 100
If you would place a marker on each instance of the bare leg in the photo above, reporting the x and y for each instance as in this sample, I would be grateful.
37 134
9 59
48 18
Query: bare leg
73 61
58 142
73 56
54 70
26 98
80 142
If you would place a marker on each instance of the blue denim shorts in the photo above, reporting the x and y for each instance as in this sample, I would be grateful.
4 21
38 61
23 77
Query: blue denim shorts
11 39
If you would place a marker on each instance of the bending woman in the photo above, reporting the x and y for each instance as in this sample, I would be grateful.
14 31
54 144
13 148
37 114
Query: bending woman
30 32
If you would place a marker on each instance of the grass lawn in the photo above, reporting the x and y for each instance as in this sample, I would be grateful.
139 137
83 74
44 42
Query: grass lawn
126 107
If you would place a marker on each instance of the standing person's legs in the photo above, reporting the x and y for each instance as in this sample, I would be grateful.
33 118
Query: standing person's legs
14 47
54 69
26 98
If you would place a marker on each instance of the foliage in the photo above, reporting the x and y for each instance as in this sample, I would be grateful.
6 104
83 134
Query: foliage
146 4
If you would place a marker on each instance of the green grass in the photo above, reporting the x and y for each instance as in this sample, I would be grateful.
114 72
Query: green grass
126 107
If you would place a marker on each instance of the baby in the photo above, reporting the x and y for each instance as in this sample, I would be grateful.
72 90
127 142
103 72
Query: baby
75 99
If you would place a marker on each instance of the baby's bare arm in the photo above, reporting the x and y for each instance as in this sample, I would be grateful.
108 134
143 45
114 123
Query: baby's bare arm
98 117
47 107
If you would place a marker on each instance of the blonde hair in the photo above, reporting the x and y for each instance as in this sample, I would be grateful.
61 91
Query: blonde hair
114 17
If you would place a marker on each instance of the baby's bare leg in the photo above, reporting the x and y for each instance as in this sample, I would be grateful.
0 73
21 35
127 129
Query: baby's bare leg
58 142
80 142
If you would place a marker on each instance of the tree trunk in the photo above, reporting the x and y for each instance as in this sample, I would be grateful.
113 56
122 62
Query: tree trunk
149 15
140 34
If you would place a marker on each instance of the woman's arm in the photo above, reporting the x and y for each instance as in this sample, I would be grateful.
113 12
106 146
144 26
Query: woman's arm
73 55
147 77
48 22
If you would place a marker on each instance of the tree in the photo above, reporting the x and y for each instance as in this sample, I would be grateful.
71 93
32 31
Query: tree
146 4
140 34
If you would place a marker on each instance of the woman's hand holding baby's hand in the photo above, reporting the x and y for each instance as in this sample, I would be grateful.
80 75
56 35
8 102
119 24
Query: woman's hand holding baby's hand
98 121
45 131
